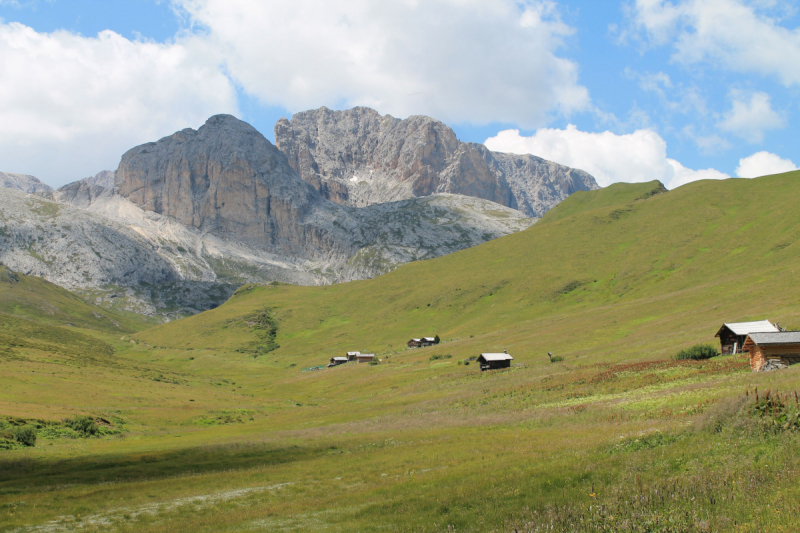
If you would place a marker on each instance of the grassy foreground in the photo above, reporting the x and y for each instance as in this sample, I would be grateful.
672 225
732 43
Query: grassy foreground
210 424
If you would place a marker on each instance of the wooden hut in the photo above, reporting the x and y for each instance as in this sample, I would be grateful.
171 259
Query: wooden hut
493 361
776 349
365 357
336 361
422 342
732 336
352 356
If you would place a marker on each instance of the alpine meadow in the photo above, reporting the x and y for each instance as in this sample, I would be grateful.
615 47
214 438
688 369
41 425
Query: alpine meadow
232 419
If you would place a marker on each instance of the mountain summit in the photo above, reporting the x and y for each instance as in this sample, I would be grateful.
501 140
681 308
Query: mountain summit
358 157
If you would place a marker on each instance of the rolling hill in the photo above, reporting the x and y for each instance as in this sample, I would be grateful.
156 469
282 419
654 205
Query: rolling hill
216 423
616 273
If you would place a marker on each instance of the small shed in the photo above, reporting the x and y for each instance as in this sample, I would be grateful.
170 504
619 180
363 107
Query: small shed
352 356
422 342
732 335
493 361
336 361
365 357
781 347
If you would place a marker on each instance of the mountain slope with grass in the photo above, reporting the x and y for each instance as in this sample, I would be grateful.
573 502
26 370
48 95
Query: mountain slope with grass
597 276
217 422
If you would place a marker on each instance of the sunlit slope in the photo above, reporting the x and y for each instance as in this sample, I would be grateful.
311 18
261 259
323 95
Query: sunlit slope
613 273
35 298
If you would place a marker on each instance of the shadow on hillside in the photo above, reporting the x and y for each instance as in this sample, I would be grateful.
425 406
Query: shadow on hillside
20 475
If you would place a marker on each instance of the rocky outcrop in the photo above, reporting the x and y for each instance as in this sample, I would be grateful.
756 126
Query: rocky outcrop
23 182
84 192
228 179
359 157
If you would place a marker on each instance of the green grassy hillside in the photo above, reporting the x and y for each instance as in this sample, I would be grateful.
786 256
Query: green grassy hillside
606 275
212 424
37 299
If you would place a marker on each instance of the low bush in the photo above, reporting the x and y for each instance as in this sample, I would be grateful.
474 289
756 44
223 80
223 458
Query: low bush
437 357
25 435
698 352
556 359
84 425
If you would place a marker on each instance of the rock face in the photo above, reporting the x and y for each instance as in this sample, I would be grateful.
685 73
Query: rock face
83 192
228 179
358 158
24 183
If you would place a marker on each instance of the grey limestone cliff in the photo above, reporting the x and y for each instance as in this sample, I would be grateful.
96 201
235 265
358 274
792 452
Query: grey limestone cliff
23 182
358 157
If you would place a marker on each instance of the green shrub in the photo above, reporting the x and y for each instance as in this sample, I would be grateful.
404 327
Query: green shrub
698 352
556 359
84 425
25 435
436 339
373 363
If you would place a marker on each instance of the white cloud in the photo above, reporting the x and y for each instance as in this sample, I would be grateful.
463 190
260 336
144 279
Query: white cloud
763 164
740 36
750 117
71 105
458 60
635 157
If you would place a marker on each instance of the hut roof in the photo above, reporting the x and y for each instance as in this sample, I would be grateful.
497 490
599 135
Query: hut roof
778 337
416 340
366 355
743 328
496 357
429 339
339 359
353 353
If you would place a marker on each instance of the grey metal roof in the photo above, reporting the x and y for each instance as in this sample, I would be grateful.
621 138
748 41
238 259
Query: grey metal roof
429 339
366 355
340 358
496 357
353 353
743 328
780 337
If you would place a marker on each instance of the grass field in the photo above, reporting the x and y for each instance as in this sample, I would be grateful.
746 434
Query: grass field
210 424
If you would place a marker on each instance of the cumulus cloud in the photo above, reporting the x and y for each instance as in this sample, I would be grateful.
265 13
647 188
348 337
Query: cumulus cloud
740 36
472 61
763 164
635 157
71 105
751 116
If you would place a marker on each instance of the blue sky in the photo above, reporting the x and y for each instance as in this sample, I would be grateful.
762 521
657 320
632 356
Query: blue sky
629 90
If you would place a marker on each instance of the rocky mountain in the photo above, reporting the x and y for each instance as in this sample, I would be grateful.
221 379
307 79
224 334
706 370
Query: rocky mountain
192 216
24 183
358 158
83 192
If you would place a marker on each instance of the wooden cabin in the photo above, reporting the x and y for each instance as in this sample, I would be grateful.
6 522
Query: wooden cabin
336 361
779 348
422 342
494 361
365 357
732 336
352 356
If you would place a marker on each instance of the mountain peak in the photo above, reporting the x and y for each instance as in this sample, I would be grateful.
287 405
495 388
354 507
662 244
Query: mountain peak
359 157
